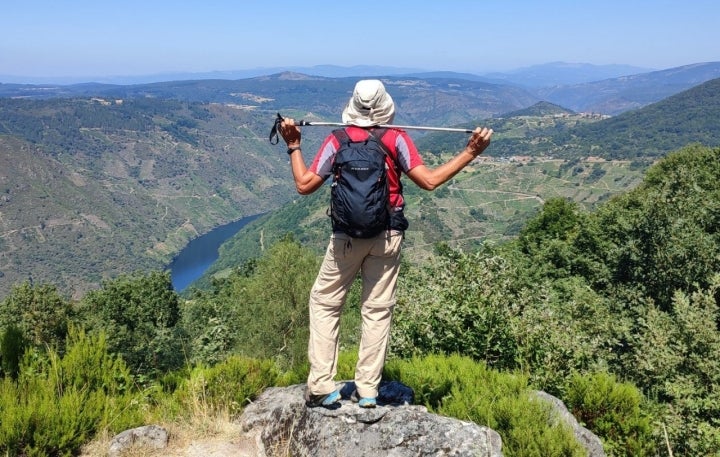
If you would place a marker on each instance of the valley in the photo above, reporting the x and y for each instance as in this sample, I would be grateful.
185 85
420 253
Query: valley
98 180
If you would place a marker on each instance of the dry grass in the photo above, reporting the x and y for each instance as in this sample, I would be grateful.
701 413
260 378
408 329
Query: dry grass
201 435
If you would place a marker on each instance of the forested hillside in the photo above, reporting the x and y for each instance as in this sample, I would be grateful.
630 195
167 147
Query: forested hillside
92 188
688 117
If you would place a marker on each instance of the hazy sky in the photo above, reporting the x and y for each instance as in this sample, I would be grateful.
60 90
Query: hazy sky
44 38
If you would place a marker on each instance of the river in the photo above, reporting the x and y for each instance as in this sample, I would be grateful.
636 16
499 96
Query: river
197 256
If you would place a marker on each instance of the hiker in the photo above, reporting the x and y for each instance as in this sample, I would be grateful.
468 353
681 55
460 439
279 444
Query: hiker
377 258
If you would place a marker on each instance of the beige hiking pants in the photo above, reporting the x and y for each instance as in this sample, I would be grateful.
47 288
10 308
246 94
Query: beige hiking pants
378 260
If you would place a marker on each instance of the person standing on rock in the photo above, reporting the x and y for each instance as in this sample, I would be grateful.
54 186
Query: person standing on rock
376 257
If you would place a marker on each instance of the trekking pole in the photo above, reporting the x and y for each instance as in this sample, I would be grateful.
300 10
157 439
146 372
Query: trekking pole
390 126
302 123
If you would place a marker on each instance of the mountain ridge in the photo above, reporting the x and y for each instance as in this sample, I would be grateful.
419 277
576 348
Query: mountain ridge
568 70
617 95
564 73
607 96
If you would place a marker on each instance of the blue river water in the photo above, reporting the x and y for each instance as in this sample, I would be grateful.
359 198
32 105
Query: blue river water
201 252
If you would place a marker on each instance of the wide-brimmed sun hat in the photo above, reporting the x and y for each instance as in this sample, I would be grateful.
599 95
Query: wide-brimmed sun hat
369 105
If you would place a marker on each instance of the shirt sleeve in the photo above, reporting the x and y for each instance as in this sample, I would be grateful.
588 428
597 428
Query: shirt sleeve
323 161
407 154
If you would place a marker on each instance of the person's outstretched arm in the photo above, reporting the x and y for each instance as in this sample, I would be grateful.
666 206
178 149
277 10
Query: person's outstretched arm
430 178
306 182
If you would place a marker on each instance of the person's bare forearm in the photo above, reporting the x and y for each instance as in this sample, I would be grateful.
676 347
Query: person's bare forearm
306 182
429 179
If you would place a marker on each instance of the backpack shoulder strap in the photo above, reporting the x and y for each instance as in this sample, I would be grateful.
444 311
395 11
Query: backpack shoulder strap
341 135
378 133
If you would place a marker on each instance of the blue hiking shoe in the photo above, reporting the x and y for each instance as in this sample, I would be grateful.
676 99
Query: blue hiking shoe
313 401
363 402
367 402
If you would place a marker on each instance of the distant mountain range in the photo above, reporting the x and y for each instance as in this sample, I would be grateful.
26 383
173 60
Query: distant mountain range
564 73
578 87
550 74
617 95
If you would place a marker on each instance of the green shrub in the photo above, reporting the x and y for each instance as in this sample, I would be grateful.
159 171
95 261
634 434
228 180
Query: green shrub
612 410
12 347
676 360
347 360
139 314
489 305
461 303
459 387
259 312
228 386
295 375
39 312
59 403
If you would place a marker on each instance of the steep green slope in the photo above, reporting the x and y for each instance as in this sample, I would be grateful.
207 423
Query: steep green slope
60 224
93 187
688 117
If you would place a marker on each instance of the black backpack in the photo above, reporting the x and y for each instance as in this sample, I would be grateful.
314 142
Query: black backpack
360 194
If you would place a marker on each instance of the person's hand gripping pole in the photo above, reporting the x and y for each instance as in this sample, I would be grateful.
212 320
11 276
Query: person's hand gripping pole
479 141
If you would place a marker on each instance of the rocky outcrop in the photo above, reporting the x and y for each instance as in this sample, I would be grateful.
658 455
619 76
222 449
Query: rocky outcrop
278 423
283 425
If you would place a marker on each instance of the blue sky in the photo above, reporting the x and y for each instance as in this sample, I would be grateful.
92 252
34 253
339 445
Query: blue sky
42 38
